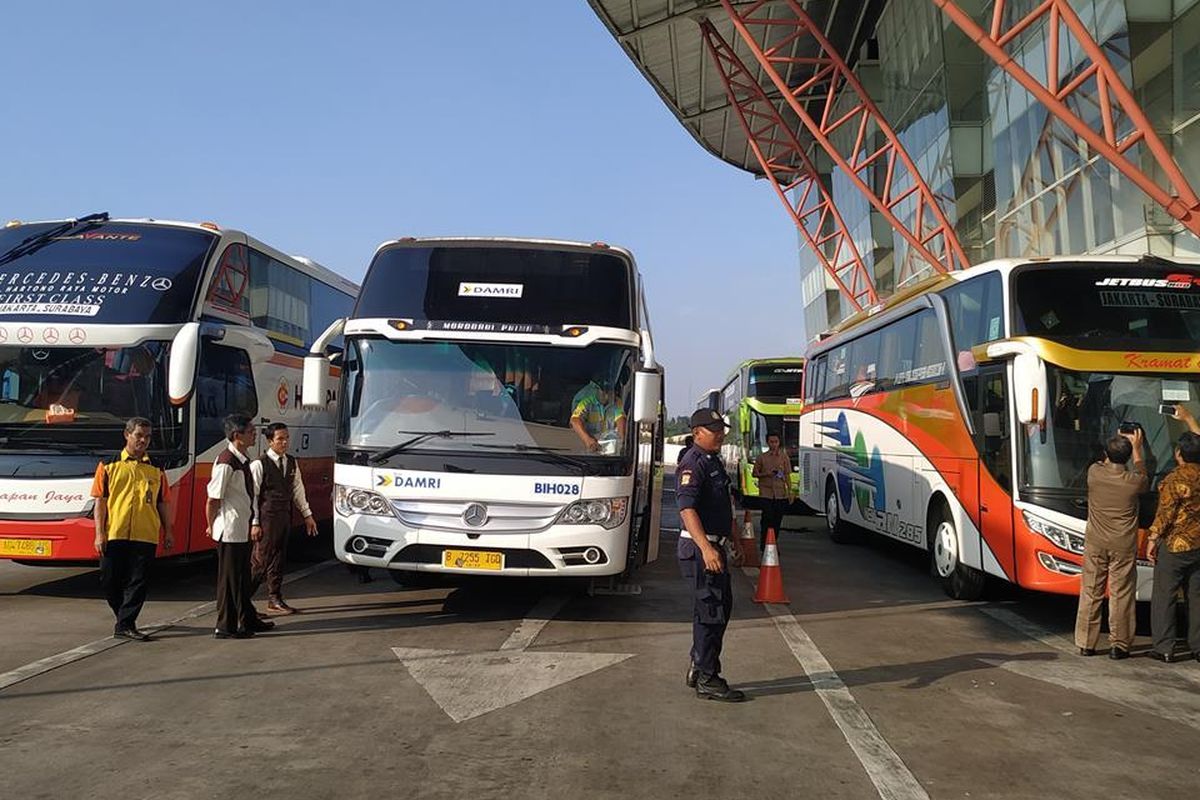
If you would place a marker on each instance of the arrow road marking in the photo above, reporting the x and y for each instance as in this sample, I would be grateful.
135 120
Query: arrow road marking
469 685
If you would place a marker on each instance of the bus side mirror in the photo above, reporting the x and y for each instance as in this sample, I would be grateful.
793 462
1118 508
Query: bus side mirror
1029 387
647 396
317 383
181 370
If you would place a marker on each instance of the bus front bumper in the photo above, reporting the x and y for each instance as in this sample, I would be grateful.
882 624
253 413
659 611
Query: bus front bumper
560 550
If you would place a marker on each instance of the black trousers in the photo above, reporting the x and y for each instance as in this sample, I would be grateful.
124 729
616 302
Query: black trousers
1175 571
234 610
712 604
124 572
772 519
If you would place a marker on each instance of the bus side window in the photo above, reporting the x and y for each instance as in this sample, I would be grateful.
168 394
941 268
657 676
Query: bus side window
224 386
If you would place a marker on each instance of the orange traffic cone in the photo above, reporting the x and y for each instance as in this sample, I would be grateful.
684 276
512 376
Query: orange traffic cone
770 577
748 545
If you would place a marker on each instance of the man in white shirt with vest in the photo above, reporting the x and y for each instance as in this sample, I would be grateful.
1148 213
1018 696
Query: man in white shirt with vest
229 512
277 487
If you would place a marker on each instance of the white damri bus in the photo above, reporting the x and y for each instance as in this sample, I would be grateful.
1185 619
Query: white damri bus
102 320
501 411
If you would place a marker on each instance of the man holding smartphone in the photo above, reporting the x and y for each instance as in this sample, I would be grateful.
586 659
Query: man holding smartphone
1110 544
773 469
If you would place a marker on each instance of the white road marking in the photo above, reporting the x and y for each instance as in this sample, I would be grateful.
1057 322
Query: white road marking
892 778
469 685
44 665
539 617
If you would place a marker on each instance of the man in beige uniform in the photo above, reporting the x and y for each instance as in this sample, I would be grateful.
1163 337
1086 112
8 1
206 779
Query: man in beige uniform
1110 546
773 469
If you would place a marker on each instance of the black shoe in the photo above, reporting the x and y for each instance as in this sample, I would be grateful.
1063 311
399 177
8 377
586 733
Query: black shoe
220 634
132 634
1087 651
714 687
690 680
1166 658
1117 653
260 625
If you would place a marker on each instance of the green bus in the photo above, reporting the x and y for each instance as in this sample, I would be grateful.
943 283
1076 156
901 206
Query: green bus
761 397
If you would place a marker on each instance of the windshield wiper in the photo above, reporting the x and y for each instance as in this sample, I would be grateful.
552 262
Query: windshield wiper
550 453
421 436
37 240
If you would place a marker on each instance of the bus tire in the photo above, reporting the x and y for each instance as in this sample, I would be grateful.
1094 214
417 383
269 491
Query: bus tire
839 529
958 580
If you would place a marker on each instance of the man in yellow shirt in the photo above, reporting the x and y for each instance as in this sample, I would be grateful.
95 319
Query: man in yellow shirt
132 510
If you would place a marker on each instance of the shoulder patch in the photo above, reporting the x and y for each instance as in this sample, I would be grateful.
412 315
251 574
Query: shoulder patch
685 477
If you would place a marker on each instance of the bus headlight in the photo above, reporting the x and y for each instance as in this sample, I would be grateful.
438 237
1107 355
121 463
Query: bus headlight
348 500
608 512
1068 540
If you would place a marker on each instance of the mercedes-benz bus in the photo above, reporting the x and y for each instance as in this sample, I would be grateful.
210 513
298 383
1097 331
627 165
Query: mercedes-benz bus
501 411
181 323
961 416
761 397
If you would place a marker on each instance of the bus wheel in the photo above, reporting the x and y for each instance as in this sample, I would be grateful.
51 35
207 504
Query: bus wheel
958 580
839 530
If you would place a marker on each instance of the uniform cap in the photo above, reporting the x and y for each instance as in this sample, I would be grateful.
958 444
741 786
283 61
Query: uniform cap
706 418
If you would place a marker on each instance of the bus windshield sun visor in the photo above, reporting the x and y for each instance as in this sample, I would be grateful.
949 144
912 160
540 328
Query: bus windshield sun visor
417 438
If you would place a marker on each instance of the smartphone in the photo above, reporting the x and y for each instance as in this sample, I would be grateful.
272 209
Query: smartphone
1127 427
1167 408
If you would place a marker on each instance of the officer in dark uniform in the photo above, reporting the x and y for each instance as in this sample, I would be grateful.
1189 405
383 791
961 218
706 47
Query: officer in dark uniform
706 514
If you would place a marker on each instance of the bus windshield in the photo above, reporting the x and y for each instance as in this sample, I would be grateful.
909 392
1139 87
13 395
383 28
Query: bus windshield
776 383
1087 408
77 399
514 285
786 428
104 272
1110 306
487 397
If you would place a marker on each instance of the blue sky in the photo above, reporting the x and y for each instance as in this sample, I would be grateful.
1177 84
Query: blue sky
324 132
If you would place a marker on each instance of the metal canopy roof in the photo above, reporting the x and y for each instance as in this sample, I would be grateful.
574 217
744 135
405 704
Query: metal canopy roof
663 39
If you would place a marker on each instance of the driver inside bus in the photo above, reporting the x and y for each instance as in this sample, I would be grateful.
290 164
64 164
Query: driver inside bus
598 412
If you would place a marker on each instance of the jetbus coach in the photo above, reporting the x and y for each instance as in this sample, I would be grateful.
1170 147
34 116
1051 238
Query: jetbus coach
762 397
961 416
104 319
501 411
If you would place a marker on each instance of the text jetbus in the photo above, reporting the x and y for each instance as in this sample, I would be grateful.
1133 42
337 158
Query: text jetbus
102 320
501 411
962 416
762 397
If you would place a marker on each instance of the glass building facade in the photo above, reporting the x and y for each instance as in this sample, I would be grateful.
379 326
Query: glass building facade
1013 180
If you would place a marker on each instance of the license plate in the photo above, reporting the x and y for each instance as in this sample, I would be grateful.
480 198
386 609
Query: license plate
472 559
25 547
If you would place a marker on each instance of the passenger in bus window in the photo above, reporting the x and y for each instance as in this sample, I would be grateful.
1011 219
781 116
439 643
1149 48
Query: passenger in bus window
598 413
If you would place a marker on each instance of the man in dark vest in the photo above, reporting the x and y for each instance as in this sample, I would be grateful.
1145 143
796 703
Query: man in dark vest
229 512
277 486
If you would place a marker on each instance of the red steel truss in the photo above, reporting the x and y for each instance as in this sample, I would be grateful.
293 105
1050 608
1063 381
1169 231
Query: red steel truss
1114 98
789 169
897 191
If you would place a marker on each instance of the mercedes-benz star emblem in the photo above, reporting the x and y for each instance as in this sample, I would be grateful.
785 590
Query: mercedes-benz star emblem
475 515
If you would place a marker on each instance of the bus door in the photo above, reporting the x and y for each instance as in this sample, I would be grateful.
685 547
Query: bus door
987 396
812 480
